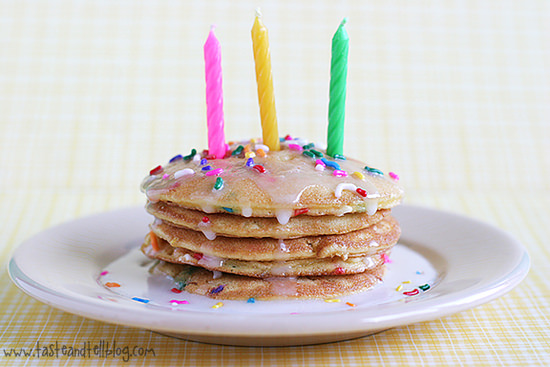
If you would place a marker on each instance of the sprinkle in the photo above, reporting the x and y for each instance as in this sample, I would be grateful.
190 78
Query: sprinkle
308 146
183 172
300 211
198 256
154 241
424 287
332 300
176 290
265 148
344 186
351 304
288 137
294 147
339 271
259 168
218 289
142 300
197 158
156 170
317 153
219 183
308 153
191 155
165 176
175 158
361 192
205 219
209 157
247 148
249 155
373 170
394 176
214 172
206 168
386 258
229 210
250 162
251 300
204 161
112 285
419 272
261 152
320 162
340 157
319 167
252 140
103 273
218 305
358 175
331 164
414 292
339 173
238 150
406 282
175 301
399 287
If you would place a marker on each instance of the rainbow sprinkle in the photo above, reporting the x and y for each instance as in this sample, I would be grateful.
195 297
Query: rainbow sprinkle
332 300
214 172
218 305
177 302
394 176
373 170
218 185
339 173
112 285
176 158
358 175
218 289
142 300
190 155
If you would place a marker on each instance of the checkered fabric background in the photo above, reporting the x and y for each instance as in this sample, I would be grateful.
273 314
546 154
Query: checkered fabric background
454 96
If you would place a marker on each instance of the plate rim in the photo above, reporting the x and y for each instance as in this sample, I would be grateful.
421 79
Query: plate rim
362 322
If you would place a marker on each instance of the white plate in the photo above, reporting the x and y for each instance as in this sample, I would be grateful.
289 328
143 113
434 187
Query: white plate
463 262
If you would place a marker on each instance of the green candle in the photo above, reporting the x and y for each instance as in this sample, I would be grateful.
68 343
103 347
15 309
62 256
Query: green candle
337 102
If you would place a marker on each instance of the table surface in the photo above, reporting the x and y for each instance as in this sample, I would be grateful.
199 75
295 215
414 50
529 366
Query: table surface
453 96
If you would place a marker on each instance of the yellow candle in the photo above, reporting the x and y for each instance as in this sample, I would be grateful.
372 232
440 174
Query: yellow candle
264 79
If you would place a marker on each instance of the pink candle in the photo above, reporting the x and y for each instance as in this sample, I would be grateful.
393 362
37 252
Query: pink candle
214 96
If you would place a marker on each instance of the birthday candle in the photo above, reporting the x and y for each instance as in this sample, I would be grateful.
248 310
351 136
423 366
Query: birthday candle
264 79
214 96
337 102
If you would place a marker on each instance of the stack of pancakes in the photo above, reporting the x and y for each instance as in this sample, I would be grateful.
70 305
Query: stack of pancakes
263 224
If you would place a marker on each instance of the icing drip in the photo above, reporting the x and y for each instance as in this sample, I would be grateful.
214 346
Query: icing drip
287 286
283 215
206 230
209 261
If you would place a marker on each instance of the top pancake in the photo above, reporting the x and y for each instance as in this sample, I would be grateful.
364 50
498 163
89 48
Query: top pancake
282 183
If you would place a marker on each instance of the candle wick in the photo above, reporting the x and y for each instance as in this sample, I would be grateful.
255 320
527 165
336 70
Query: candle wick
212 27
258 12
344 21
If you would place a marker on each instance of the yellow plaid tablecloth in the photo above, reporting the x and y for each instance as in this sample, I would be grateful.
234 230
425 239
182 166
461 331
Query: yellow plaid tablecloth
454 96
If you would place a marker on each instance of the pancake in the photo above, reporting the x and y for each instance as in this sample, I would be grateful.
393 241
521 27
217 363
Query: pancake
368 241
275 185
237 287
229 225
266 269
